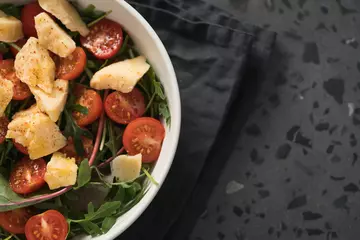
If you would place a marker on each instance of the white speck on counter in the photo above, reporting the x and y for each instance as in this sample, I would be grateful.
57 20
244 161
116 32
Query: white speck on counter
233 187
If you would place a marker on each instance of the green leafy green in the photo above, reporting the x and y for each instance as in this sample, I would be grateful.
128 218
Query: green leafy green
11 9
99 19
90 13
91 228
79 108
3 48
84 174
107 224
114 137
74 131
148 175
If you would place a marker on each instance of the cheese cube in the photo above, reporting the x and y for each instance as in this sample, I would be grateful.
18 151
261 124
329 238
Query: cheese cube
126 168
6 94
52 104
61 171
53 37
34 66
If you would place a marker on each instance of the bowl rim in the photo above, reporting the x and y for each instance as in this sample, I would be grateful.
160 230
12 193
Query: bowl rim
143 204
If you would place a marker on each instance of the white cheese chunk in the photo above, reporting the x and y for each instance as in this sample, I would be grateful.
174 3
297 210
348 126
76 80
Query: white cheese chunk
60 171
36 132
53 37
10 28
121 76
34 66
67 14
52 104
6 94
126 168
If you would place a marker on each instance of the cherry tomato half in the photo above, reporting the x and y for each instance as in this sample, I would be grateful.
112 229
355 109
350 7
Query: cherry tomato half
20 147
125 107
28 14
69 149
14 221
104 40
144 135
4 122
6 67
19 43
92 101
20 89
28 175
50 225
71 67
7 70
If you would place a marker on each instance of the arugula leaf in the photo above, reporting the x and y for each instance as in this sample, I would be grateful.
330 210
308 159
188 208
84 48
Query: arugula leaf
74 131
124 46
91 208
3 48
71 195
105 210
79 108
107 224
91 228
114 137
11 9
165 112
91 64
99 19
84 175
90 13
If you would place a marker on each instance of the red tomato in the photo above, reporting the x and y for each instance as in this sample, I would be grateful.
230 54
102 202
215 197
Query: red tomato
125 107
7 70
69 149
104 40
21 90
28 175
20 147
71 67
14 221
6 67
50 225
19 43
144 135
4 122
92 101
28 14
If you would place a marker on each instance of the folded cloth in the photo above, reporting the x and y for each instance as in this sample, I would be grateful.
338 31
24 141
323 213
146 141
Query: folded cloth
210 56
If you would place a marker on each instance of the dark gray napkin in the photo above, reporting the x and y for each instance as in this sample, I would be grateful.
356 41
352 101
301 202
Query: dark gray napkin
211 52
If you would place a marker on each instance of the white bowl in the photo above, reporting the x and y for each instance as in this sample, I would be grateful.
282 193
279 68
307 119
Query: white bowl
152 48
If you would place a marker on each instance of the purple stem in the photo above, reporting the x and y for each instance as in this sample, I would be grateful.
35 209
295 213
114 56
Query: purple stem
101 165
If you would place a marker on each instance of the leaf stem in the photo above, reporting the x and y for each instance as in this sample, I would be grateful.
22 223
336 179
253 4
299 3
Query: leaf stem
131 53
103 137
14 46
99 19
89 73
101 165
99 134
148 175
150 102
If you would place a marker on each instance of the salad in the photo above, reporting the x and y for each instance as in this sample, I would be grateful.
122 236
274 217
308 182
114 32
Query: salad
80 128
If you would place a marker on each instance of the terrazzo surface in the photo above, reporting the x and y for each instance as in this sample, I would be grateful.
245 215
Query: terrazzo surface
294 172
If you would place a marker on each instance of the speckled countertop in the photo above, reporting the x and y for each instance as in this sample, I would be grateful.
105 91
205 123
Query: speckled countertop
294 173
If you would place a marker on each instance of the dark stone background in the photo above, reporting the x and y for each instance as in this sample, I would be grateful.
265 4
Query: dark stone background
294 173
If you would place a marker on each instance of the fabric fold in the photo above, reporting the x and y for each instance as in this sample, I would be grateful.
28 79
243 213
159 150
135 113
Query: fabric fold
210 56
